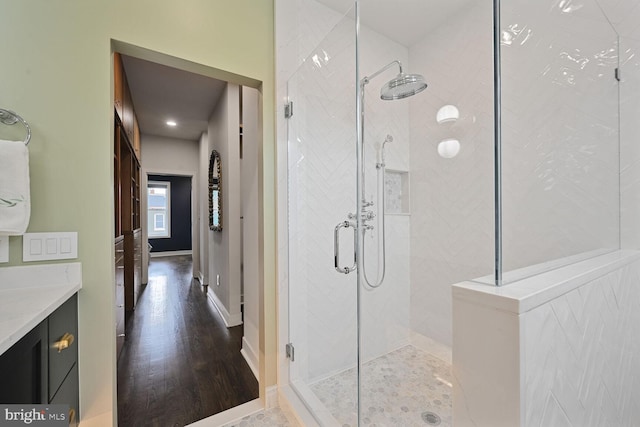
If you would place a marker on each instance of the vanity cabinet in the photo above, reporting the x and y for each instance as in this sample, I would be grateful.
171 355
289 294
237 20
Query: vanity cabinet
23 369
42 367
63 349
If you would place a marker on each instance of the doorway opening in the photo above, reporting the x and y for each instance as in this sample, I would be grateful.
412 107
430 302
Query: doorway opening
169 115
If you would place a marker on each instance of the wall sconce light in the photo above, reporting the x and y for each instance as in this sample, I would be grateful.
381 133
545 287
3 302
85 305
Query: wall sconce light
449 148
447 113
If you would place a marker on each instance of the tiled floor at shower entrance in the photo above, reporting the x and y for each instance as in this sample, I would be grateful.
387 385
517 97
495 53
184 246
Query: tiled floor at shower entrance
275 417
407 387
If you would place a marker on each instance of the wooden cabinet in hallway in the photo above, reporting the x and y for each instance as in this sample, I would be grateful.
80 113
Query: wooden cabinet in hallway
127 193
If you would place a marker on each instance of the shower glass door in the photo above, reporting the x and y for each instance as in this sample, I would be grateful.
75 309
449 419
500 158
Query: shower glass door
374 346
321 195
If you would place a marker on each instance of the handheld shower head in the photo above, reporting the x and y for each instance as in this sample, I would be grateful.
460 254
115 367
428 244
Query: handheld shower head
381 163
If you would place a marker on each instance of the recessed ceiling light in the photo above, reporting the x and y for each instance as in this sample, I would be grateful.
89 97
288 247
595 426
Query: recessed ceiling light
171 123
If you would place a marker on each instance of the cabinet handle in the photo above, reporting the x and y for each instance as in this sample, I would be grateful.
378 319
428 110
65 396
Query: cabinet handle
120 335
64 342
72 416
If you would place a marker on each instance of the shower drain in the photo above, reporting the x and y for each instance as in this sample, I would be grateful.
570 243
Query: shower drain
431 418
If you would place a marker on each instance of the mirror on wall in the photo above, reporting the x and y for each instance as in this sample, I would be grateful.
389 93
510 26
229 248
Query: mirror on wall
215 192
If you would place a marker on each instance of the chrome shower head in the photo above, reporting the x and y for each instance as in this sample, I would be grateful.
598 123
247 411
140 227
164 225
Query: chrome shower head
403 86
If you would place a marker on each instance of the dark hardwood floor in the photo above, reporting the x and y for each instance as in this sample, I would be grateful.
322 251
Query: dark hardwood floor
179 363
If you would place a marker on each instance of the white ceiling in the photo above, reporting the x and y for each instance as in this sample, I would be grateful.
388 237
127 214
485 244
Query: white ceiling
404 21
161 93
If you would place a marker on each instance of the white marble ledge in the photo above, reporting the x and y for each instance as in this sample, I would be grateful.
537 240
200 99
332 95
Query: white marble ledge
29 294
531 292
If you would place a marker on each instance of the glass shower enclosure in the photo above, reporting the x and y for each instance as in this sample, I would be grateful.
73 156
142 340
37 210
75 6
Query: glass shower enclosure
507 165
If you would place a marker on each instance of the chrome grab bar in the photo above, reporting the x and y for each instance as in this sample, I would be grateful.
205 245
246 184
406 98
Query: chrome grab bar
336 247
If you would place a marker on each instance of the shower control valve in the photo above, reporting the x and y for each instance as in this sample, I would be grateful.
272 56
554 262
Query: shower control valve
366 215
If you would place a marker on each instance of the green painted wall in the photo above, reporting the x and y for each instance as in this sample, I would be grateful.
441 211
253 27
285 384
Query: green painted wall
56 73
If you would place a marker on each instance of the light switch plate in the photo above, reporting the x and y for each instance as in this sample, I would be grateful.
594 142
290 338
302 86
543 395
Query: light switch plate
4 248
49 246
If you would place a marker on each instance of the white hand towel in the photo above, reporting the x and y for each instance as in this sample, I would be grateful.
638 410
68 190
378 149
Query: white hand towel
15 200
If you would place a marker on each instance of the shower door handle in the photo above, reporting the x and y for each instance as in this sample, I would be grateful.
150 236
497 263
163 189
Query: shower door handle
336 247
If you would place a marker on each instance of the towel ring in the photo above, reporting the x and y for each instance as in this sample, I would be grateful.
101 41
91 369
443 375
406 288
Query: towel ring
10 118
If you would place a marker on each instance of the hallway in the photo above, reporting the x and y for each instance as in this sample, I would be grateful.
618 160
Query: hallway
180 363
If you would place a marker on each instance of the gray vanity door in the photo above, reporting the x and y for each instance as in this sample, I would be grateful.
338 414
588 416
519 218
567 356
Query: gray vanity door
23 369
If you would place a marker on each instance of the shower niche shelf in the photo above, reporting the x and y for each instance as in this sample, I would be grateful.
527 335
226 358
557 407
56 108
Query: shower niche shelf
396 183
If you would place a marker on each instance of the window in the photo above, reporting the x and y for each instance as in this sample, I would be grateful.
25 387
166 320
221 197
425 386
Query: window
158 222
159 209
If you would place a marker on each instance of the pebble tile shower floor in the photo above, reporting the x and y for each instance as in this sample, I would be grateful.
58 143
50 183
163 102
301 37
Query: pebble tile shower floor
399 388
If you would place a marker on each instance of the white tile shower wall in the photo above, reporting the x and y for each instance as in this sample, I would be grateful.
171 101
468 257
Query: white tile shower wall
560 148
385 320
560 131
451 199
321 182
385 314
572 360
300 27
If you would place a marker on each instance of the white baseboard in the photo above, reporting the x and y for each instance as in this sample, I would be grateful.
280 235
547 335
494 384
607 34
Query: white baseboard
169 253
251 357
231 415
229 319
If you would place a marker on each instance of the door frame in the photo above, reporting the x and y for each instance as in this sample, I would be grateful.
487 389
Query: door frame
268 314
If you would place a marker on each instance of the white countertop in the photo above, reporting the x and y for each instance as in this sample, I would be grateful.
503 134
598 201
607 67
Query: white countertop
29 294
